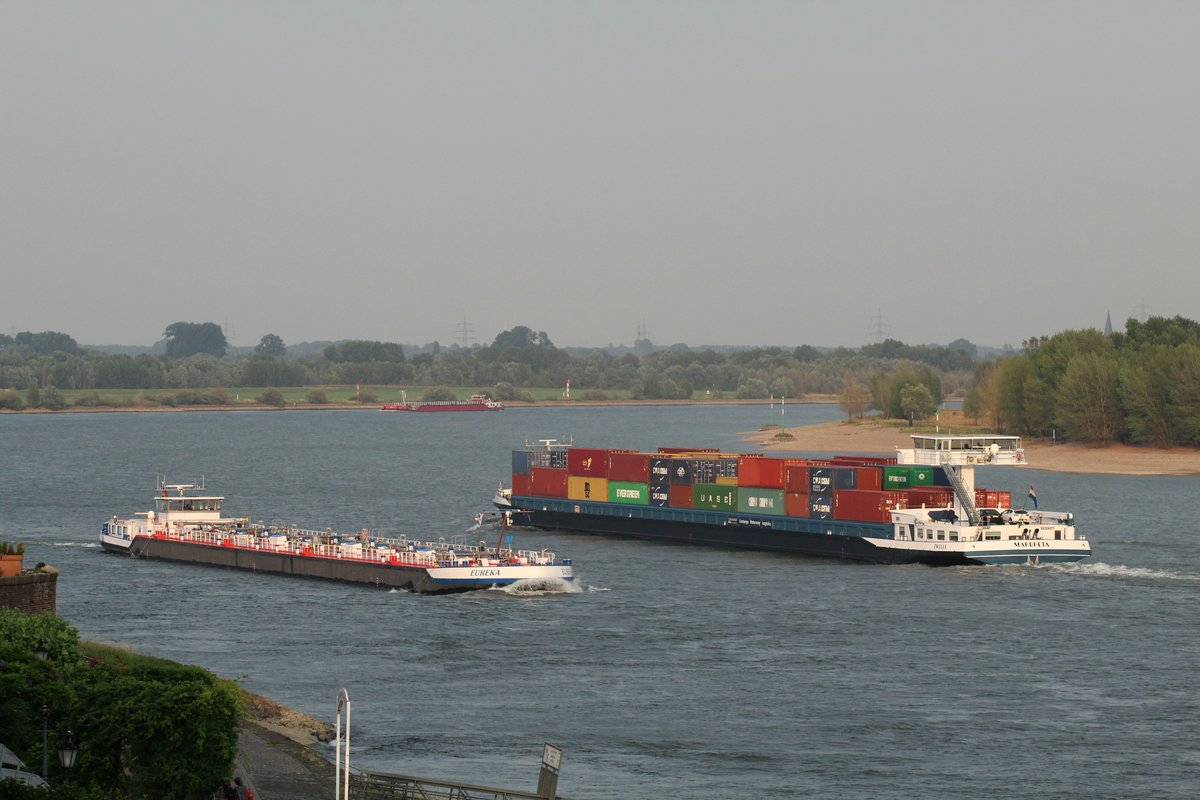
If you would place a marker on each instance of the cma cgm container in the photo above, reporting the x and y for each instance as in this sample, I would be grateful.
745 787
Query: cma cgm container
715 497
631 467
820 480
820 506
586 461
660 470
660 495
756 500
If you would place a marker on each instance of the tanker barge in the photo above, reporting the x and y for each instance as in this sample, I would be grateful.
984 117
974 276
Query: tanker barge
921 506
186 526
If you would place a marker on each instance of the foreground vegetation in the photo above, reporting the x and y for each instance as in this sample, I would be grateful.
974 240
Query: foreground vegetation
145 727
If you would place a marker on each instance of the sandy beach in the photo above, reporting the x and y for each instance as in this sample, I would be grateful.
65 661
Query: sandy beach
877 437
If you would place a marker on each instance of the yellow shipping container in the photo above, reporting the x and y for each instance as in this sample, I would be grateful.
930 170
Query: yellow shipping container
727 481
581 487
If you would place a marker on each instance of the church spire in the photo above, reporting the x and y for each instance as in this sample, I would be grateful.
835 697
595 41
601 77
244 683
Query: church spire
1108 323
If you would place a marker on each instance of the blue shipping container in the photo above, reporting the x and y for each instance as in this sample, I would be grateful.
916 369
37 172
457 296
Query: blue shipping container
520 462
820 480
820 506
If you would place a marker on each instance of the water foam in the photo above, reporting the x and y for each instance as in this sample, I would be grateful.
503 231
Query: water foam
535 587
1100 569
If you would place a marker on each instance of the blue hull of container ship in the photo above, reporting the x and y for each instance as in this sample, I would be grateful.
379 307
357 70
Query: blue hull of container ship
826 538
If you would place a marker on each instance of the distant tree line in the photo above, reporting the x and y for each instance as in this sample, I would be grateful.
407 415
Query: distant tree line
43 364
1141 386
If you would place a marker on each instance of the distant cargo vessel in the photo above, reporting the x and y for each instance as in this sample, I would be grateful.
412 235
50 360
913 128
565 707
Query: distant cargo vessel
922 506
186 525
477 402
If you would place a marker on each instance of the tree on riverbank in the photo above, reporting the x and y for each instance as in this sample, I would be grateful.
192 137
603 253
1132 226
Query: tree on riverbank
1141 386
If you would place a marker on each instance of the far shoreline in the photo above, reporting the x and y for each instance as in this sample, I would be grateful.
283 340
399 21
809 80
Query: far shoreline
870 435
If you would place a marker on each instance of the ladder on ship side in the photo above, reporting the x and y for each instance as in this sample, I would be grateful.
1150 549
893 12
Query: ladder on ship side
954 473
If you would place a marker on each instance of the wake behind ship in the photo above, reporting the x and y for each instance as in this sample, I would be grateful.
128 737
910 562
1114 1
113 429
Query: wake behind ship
923 506
186 525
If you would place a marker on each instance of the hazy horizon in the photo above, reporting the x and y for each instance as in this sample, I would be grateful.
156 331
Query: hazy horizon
748 173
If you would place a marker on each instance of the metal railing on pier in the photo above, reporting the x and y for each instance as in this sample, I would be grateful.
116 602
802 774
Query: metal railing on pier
370 785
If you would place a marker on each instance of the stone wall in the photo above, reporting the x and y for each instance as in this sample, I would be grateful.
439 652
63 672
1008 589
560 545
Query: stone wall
33 591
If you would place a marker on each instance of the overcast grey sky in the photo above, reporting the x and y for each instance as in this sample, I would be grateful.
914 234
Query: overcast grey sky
730 173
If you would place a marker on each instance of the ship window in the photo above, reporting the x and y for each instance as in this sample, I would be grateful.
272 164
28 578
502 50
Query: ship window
954 536
1057 534
920 533
941 536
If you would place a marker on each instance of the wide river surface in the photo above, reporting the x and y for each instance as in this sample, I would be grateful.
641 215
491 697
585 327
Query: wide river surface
670 671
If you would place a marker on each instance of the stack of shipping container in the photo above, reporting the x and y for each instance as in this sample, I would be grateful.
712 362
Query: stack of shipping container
861 489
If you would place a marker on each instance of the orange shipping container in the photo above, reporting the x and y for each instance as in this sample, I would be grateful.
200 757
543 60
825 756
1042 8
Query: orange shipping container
766 473
795 504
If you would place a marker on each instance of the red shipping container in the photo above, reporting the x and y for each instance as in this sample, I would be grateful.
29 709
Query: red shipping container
681 495
547 482
765 473
930 497
795 477
870 478
588 462
633 467
987 498
796 504
520 484
867 506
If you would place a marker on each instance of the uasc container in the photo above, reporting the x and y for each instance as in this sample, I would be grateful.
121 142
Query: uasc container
715 497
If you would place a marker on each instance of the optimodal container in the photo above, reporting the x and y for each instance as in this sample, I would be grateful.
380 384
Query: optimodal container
631 494
756 500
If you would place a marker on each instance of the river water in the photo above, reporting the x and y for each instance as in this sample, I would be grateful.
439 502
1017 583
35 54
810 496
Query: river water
672 671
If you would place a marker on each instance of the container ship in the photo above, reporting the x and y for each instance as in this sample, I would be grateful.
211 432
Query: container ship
921 506
186 525
477 402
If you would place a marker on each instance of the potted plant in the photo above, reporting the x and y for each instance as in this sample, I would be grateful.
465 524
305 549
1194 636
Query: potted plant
11 556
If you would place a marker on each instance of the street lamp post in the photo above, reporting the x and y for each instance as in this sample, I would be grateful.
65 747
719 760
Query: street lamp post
342 791
45 750
68 751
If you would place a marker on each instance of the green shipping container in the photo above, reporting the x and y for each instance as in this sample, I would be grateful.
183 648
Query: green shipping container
715 496
896 478
631 494
920 476
753 500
